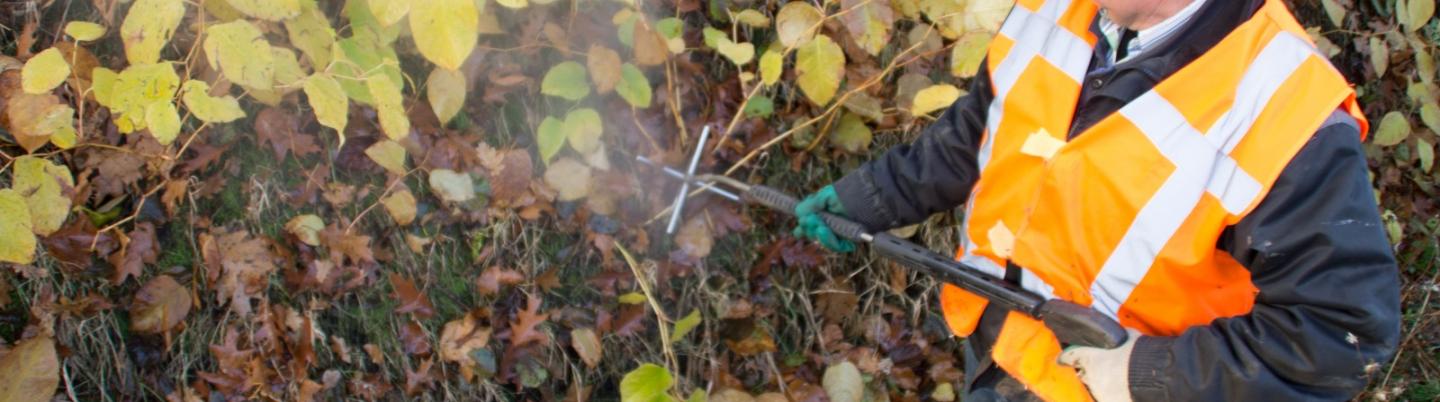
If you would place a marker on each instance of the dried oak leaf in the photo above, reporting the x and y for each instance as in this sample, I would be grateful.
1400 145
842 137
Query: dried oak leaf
413 339
495 277
460 337
419 380
412 300
160 305
281 129
525 329
511 179
137 248
241 268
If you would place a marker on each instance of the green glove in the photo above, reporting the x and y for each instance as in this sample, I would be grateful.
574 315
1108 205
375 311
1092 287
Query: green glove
813 227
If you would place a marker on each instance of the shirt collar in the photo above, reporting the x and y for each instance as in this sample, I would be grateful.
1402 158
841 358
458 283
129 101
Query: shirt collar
1147 38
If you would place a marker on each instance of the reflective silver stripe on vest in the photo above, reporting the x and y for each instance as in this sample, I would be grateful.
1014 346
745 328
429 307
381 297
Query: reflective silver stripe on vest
1202 165
1037 36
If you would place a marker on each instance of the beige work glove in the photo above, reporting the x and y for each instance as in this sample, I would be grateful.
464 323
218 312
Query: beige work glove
1106 372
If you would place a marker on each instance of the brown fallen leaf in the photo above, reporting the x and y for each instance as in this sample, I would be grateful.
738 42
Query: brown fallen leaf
587 345
495 277
525 329
413 339
240 265
460 337
137 248
419 380
32 371
604 66
160 305
412 300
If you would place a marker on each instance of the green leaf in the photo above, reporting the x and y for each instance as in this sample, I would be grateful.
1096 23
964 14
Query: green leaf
1430 114
328 100
445 31
712 37
852 135
634 87
17 242
148 26
819 65
685 325
632 298
752 18
1394 128
583 129
1426 151
647 383
760 106
360 57
566 80
240 51
550 136
44 72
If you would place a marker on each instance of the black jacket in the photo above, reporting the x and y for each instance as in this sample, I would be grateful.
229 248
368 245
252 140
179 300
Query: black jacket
1328 308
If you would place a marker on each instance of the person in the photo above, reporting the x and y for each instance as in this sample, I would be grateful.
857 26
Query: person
1190 168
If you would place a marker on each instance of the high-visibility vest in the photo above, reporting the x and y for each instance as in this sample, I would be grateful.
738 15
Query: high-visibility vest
1125 217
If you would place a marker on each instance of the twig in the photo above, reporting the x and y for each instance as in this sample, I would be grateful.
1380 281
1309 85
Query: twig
660 317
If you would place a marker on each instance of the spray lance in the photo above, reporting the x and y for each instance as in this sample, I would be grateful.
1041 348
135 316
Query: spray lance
1072 324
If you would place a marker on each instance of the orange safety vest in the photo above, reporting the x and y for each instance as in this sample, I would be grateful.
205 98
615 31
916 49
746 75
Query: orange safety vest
1125 217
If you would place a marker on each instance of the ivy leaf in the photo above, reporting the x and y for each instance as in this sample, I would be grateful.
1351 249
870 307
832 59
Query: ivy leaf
549 137
452 186
390 105
239 49
389 12
310 32
328 100
32 371
934 98
445 31
445 89
389 155
772 63
566 80
647 383
148 26
44 185
84 31
604 65
869 23
819 65
163 121
583 129
17 241
196 95
634 87
797 22
569 178
1394 128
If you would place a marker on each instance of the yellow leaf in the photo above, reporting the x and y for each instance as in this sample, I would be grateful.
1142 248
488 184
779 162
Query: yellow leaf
1394 128
739 53
38 119
311 33
44 184
209 109
389 12
102 82
445 31
148 26
329 101
136 88
604 65
1418 13
32 371
307 228
288 73
583 129
44 72
390 105
968 52
84 31
241 53
869 22
934 98
772 63
1335 11
819 66
797 22
632 298
569 178
389 155
163 121
1379 55
452 186
445 89
752 18
517 4
271 10
17 241
401 206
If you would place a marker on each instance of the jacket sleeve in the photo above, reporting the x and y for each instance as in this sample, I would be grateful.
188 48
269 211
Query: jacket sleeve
934 173
1328 310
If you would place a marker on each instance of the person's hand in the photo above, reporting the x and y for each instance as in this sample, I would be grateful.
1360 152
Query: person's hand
1106 372
812 227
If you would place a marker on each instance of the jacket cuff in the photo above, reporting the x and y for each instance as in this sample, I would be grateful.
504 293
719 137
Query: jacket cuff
861 198
1148 362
